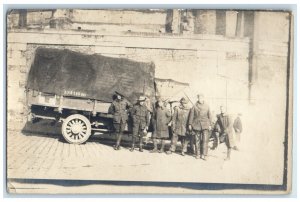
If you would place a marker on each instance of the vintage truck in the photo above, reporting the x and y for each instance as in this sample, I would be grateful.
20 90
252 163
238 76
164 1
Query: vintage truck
77 89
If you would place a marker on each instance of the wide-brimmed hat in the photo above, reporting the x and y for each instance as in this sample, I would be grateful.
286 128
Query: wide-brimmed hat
141 98
183 101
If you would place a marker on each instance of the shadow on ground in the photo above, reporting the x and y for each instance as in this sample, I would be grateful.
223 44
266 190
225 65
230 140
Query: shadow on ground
53 130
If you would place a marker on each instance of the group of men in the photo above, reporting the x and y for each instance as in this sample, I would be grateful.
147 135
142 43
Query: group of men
192 126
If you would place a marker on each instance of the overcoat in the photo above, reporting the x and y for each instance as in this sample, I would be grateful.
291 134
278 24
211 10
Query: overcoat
237 125
161 119
224 125
180 120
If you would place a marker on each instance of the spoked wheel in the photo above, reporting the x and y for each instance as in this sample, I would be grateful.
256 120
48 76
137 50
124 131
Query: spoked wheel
76 129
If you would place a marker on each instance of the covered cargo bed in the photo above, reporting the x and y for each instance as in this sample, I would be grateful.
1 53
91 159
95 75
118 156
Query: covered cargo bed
67 73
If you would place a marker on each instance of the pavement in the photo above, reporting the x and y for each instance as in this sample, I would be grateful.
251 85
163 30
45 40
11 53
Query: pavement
43 162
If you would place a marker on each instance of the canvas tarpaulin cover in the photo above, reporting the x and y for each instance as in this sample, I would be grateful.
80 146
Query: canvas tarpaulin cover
169 89
69 73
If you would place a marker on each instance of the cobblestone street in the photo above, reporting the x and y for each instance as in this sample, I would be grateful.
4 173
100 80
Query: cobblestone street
34 155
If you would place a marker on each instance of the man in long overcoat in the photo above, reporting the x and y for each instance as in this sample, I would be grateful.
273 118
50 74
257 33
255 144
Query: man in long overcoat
180 126
238 127
224 127
140 117
119 109
160 120
200 123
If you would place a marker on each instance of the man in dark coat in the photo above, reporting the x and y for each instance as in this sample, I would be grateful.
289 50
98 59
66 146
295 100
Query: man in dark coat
224 126
119 109
238 127
200 123
179 127
161 119
214 132
140 117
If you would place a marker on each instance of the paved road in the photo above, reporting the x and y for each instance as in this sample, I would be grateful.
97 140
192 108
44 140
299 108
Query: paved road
42 156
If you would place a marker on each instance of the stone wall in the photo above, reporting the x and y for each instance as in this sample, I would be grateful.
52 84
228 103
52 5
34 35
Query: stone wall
201 61
103 20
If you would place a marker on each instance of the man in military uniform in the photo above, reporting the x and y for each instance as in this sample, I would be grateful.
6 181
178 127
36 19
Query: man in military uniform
224 127
179 127
140 116
200 123
119 109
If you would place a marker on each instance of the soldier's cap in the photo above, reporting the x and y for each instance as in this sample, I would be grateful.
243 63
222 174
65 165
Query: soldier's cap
183 101
117 93
141 98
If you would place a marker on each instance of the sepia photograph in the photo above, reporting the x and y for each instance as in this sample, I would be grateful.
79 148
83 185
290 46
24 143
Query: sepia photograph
149 101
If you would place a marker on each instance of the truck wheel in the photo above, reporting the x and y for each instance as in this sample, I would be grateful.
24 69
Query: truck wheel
76 129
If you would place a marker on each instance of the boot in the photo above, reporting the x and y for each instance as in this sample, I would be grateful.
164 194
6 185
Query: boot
162 146
132 148
132 145
184 146
169 152
154 150
235 148
141 145
216 141
228 154
119 138
117 147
